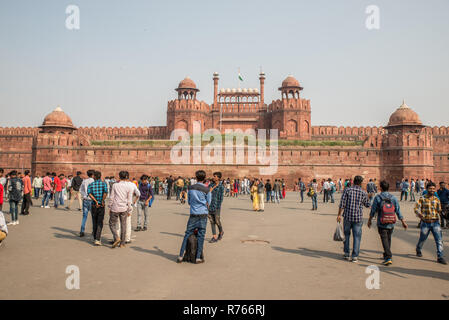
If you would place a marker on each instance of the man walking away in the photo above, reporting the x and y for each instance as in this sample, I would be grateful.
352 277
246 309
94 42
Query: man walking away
216 190
428 209
15 188
443 194
199 199
121 200
404 189
26 203
87 201
48 187
146 193
371 189
97 191
268 190
351 205
75 191
169 187
386 206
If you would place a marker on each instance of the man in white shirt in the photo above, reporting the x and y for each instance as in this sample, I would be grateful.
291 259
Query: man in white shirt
87 201
326 189
120 205
3 228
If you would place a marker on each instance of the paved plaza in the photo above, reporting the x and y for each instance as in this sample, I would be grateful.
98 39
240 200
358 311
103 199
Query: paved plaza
290 255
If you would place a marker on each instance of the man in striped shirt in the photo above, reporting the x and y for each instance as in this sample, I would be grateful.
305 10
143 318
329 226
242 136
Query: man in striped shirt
351 205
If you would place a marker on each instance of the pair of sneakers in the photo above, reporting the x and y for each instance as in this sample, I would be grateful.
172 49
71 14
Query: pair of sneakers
13 223
348 258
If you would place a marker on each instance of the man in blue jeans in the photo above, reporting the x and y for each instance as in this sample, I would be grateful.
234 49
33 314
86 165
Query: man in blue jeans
351 205
199 198
87 201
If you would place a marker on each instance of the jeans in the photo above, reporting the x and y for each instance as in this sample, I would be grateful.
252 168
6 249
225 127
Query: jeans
46 197
356 228
195 222
142 208
37 192
268 196
276 196
87 206
385 237
404 193
61 198
57 198
445 214
412 196
314 202
14 210
26 203
435 228
214 218
331 193
97 221
302 196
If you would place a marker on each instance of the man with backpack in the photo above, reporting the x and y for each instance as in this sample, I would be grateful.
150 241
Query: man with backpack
146 194
386 206
199 199
313 188
15 188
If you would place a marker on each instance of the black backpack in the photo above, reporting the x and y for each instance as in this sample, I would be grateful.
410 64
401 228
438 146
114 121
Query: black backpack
15 187
192 245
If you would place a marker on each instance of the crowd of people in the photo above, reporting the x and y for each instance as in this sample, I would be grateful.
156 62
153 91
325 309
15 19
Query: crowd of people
205 195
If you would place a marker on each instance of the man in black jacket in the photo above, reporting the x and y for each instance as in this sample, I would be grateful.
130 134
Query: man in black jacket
75 191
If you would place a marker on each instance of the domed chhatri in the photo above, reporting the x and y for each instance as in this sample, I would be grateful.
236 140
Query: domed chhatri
404 116
291 82
57 119
187 83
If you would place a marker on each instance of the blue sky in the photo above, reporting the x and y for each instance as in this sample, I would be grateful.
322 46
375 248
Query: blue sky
122 66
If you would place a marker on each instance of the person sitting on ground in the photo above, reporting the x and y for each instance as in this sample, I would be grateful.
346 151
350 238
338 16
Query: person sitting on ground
3 228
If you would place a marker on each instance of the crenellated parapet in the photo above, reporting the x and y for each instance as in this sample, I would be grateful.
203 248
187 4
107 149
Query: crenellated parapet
19 131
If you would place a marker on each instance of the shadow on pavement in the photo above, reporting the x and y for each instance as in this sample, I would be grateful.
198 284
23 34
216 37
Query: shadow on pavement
157 252
73 235
414 272
311 253
173 234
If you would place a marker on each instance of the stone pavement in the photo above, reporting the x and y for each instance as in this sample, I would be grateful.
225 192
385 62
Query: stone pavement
296 259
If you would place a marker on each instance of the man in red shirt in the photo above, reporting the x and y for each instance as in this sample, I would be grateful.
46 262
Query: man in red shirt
57 189
26 203
1 196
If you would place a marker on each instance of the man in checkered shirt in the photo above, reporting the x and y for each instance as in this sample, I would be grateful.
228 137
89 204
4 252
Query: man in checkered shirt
351 205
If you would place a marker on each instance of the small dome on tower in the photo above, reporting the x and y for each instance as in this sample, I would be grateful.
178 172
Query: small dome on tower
234 90
404 116
57 118
290 81
187 83
250 90
245 90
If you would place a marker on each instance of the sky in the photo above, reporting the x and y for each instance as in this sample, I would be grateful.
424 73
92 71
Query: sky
123 64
